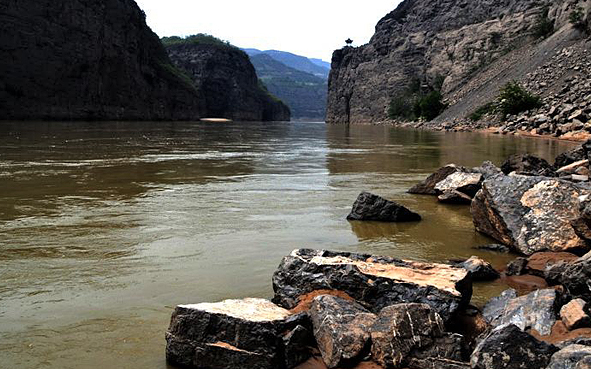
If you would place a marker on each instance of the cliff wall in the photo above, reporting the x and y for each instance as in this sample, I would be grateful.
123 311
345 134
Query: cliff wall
86 59
228 81
452 40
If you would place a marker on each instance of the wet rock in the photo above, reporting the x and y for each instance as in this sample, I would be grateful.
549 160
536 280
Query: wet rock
494 247
568 357
480 269
412 331
467 183
528 165
341 329
427 187
494 309
537 310
454 197
374 281
574 276
516 267
498 350
234 333
529 213
573 314
372 207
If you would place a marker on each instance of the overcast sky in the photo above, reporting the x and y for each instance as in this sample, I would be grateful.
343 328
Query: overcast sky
313 28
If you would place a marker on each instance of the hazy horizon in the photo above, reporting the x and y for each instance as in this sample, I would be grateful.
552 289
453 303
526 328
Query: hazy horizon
310 28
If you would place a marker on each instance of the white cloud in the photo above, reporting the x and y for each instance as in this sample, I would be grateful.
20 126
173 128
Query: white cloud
306 27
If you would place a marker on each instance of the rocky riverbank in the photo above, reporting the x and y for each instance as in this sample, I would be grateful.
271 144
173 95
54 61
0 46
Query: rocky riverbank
336 309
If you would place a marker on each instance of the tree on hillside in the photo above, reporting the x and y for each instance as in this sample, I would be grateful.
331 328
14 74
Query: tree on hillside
348 42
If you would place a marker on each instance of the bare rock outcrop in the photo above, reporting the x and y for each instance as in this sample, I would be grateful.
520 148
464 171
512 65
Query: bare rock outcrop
373 207
374 281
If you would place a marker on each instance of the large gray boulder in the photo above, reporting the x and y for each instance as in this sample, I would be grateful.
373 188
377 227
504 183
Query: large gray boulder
374 281
569 357
529 213
466 183
427 187
341 329
508 347
373 207
250 333
536 310
408 335
528 165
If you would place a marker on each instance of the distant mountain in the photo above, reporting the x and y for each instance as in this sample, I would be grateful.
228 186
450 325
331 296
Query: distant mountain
316 67
303 92
299 62
320 63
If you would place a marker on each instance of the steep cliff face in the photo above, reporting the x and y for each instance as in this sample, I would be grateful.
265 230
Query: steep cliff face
226 78
424 40
86 59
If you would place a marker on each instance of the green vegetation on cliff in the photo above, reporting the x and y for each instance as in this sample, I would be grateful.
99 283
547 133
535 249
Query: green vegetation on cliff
513 99
198 39
418 101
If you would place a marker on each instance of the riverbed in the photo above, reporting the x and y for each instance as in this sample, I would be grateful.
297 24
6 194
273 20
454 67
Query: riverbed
106 226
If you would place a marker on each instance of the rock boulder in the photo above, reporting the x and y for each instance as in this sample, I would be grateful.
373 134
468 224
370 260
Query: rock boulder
573 314
374 281
528 165
569 357
372 207
466 183
427 187
529 213
236 333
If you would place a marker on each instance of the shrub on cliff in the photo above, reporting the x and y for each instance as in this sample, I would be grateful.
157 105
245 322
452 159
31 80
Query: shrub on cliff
514 99
418 100
430 106
543 27
198 39
576 18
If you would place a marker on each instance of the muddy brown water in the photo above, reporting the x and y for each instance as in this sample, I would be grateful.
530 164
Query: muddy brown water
105 227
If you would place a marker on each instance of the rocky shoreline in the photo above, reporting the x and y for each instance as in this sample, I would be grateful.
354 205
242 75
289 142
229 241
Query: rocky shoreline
339 309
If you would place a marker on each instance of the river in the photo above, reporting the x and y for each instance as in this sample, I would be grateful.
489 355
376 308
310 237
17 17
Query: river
105 227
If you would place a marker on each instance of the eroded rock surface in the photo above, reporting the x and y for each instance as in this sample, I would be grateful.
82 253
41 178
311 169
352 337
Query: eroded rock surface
467 183
372 207
374 281
341 329
528 165
574 276
480 269
529 213
573 314
508 347
427 187
407 332
569 357
235 333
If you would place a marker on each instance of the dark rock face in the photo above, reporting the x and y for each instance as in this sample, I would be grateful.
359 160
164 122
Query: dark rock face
92 60
507 347
569 157
569 357
526 164
454 197
494 247
407 332
516 267
427 187
536 310
226 78
481 270
375 282
574 276
529 214
582 223
372 207
236 333
341 329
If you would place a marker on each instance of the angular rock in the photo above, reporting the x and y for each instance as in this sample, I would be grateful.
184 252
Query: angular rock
454 197
529 213
487 169
516 267
467 183
495 307
570 157
374 281
234 333
411 331
573 314
427 187
582 223
536 310
480 269
574 276
540 261
341 329
508 347
572 168
372 207
569 357
528 165
584 363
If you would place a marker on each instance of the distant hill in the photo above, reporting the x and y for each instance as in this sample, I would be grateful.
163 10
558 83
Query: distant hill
303 92
317 67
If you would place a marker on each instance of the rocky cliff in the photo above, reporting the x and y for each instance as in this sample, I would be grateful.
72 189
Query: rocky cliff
83 59
224 75
452 41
